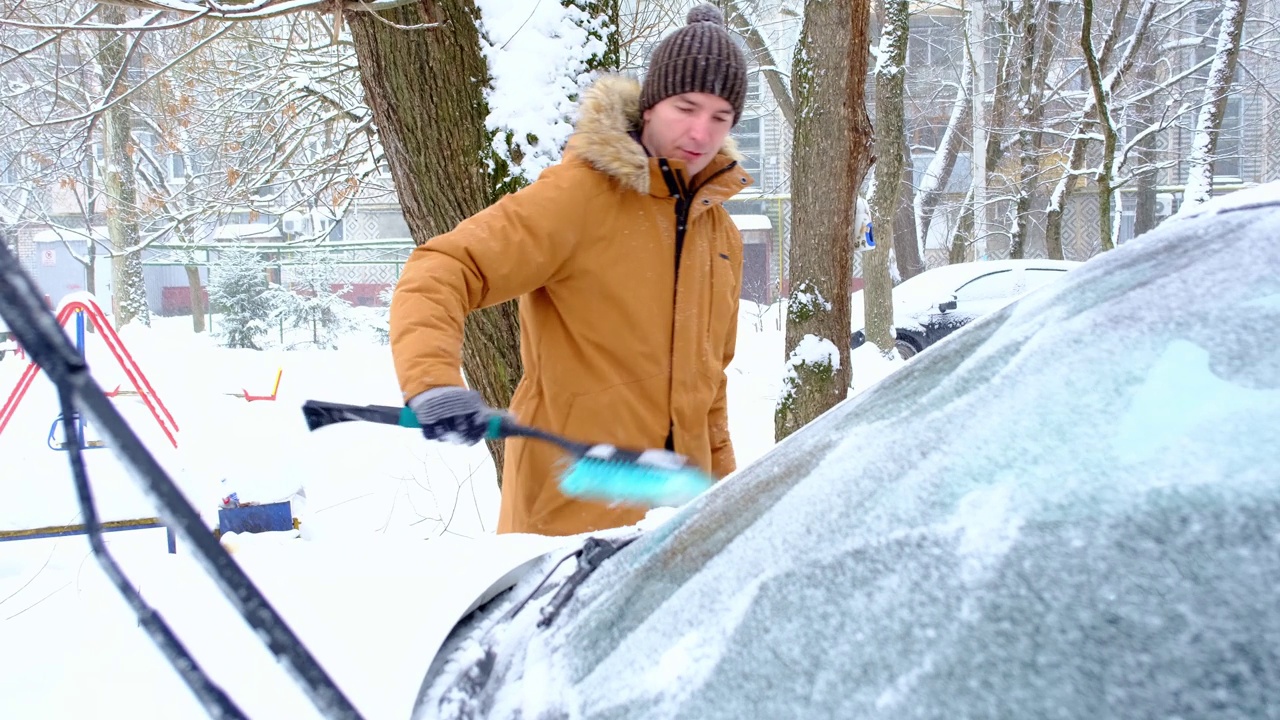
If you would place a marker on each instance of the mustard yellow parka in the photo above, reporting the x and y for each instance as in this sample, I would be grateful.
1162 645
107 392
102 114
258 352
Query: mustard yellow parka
617 346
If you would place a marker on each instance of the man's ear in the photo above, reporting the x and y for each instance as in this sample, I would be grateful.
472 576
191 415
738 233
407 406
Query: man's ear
644 116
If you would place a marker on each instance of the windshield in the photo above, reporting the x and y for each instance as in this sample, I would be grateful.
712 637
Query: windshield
997 285
1073 507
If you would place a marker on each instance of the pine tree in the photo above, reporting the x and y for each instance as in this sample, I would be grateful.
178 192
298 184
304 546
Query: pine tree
381 322
313 298
238 290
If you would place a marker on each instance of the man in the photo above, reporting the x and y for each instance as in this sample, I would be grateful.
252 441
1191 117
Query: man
628 271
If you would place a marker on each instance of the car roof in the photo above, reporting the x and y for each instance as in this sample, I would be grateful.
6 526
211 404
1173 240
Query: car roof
919 293
958 273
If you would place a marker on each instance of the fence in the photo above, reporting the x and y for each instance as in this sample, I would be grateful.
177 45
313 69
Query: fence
59 268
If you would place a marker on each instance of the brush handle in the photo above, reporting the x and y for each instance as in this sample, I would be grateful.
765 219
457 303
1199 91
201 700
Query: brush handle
502 426
319 414
602 473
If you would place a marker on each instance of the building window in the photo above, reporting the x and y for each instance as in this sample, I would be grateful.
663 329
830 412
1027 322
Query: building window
17 168
92 165
750 143
1069 74
177 167
1226 163
934 40
753 86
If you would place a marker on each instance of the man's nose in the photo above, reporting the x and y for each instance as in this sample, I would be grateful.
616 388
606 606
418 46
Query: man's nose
700 129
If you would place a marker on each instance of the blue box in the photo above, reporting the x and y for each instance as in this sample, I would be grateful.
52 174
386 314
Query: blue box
256 518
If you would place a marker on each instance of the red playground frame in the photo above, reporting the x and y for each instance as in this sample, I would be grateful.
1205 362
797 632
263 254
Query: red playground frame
87 306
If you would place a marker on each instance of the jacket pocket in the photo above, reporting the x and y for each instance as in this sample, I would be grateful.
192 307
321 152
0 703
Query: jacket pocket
631 414
725 270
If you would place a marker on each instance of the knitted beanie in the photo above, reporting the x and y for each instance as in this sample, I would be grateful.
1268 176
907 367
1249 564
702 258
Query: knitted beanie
699 57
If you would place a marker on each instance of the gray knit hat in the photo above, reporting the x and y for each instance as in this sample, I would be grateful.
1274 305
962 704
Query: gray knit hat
699 57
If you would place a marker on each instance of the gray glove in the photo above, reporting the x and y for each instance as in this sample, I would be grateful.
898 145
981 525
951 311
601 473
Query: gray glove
452 414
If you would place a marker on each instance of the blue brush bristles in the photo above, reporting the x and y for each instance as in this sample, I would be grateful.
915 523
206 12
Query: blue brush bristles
632 484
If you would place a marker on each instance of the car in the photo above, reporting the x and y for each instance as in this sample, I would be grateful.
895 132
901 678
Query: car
937 302
1070 509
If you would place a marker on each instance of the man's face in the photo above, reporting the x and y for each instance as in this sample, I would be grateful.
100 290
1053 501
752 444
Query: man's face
689 127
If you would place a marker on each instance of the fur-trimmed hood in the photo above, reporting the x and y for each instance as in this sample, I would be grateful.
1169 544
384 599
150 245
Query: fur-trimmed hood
608 113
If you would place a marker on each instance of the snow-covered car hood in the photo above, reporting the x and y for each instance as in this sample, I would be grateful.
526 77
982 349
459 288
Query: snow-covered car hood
1071 508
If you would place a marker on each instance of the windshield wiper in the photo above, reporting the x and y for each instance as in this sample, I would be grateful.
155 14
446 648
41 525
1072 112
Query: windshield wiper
593 552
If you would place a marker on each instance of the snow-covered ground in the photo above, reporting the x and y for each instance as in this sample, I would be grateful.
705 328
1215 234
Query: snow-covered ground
395 531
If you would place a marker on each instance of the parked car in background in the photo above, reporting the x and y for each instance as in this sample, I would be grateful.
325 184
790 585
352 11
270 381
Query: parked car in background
8 346
1070 509
937 302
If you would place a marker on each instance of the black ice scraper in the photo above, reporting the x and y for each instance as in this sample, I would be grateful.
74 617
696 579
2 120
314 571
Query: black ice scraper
602 473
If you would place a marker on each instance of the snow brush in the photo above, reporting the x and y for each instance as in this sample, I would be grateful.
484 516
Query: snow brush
601 473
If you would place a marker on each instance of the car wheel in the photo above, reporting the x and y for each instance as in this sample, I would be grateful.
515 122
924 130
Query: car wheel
905 348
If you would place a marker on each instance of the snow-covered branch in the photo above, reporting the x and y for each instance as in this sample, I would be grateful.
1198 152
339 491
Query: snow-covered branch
259 9
1200 173
743 18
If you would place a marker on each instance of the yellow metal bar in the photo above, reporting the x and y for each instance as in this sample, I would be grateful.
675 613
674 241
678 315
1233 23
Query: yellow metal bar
89 444
60 530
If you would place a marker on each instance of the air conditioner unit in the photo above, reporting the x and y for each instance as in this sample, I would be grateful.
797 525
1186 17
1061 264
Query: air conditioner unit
1164 204
294 223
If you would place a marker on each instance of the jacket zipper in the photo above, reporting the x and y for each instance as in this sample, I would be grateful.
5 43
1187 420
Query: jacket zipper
684 201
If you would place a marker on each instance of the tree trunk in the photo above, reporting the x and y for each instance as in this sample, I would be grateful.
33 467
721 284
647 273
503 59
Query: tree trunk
91 265
999 120
906 238
934 185
975 54
129 292
1205 141
1106 174
890 139
1037 52
1023 22
1067 183
1145 175
963 235
197 298
1000 127
87 208
1058 198
832 147
425 88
